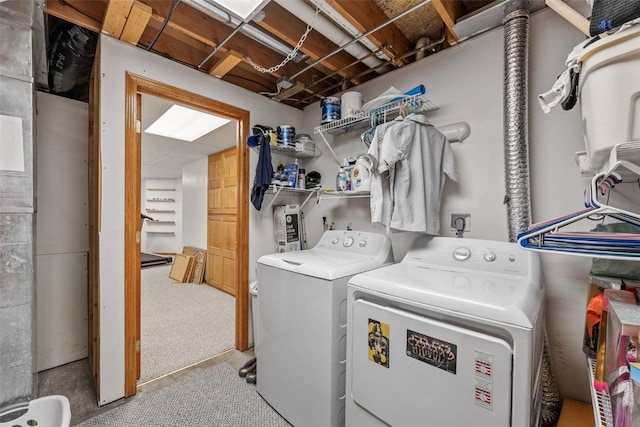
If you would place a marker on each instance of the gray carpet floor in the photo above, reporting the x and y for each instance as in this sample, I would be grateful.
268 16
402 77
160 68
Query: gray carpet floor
216 396
182 323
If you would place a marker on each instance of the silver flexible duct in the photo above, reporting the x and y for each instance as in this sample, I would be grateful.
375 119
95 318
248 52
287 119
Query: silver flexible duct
516 157
516 138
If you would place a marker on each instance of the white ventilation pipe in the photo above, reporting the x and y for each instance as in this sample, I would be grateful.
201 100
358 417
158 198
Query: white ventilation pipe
328 29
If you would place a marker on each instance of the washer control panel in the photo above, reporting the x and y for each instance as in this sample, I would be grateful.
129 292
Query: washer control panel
357 242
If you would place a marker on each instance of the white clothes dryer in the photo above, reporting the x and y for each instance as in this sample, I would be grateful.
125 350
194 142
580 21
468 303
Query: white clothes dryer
302 304
450 336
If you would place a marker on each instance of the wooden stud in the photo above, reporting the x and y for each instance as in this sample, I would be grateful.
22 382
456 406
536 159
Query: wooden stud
230 60
137 21
116 16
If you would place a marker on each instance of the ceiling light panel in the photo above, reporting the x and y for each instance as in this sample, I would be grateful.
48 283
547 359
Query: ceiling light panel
243 9
185 124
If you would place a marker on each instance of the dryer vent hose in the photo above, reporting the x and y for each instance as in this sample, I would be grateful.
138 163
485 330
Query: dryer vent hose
516 154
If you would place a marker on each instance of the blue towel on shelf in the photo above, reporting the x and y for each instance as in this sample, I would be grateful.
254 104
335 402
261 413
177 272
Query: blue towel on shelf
264 173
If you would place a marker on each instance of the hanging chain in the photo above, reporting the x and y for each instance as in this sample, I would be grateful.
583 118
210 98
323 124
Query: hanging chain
291 54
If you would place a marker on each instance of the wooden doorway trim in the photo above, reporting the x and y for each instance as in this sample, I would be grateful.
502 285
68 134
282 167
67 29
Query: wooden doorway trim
136 85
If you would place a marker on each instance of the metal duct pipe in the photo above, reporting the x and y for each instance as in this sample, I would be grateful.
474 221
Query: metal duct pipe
516 138
516 157
305 13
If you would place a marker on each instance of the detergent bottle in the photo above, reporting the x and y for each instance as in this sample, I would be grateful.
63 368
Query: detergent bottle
361 174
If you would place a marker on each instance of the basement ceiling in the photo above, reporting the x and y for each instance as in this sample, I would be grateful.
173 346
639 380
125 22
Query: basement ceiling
351 42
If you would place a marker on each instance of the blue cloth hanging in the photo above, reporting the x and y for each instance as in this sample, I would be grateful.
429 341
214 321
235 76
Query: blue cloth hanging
264 173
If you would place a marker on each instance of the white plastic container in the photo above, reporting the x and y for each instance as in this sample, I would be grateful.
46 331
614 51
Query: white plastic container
609 92
47 411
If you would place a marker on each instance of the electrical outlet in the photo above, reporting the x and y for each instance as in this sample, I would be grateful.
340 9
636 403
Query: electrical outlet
458 218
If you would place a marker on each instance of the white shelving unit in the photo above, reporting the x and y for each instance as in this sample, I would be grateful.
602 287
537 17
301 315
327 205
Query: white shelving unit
160 205
601 403
373 117
277 190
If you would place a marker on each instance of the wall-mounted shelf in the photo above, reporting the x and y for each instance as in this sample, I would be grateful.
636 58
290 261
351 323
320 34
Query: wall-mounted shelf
330 194
161 189
161 210
161 222
159 232
383 114
277 190
161 200
294 150
455 132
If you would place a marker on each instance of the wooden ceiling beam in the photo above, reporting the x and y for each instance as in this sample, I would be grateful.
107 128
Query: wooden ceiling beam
82 17
115 17
366 15
450 11
289 28
136 23
230 60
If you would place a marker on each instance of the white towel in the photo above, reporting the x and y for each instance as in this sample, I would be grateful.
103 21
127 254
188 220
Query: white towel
561 89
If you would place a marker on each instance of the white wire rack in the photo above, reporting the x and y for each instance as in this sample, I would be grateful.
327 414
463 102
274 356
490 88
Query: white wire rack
386 112
600 400
374 117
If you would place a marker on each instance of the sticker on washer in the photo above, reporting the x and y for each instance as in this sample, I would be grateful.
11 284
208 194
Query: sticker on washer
379 342
483 365
483 394
441 354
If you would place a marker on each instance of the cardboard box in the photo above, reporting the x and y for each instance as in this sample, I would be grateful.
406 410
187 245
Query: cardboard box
576 414
286 225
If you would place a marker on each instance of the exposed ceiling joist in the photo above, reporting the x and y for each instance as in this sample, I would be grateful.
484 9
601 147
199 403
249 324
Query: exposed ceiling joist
450 12
365 15
137 21
222 67
190 33
287 27
116 17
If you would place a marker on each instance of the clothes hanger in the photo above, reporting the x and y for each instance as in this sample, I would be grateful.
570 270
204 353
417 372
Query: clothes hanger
547 237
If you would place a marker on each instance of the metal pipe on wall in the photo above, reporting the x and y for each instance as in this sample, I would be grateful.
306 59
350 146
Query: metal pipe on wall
516 130
516 158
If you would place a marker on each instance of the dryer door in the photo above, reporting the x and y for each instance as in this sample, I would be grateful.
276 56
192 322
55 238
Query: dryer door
410 370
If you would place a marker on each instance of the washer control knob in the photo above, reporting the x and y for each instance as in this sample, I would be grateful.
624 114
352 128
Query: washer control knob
461 253
489 257
335 240
348 241
362 243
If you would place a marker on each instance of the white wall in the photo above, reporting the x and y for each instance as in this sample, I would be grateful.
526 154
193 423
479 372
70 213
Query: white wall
61 230
195 181
466 82
116 59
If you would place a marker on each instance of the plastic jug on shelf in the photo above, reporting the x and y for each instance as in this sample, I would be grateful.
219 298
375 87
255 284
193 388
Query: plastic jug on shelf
361 174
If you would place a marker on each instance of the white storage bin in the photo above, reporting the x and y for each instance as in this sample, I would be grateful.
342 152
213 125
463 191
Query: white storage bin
48 411
609 92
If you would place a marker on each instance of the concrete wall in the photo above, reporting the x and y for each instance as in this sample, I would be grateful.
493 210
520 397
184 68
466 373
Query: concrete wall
17 205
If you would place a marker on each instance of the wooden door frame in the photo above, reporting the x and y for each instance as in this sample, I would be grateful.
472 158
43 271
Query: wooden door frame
137 84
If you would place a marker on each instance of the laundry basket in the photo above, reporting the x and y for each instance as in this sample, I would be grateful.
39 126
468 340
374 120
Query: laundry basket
48 411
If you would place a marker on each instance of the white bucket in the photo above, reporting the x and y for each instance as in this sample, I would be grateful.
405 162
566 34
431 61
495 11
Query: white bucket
350 104
610 95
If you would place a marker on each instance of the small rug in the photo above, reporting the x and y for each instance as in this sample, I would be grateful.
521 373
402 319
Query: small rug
216 396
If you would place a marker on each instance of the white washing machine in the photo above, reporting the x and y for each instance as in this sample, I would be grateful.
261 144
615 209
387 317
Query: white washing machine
451 336
302 306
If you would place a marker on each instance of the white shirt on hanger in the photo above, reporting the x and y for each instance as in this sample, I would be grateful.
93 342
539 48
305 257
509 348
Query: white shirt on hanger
413 160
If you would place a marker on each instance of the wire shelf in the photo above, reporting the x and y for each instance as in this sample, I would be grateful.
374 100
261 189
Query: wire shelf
601 402
383 114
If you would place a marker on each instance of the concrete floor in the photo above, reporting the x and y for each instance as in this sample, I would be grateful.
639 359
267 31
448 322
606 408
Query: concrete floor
74 381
